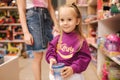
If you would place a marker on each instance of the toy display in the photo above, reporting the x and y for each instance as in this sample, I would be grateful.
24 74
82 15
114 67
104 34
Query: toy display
3 51
17 33
108 8
10 29
19 36
7 2
2 4
112 43
115 7
12 49
1 59
82 2
104 72
113 70
90 18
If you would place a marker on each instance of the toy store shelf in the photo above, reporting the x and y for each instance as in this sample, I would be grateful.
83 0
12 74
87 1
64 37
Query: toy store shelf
94 45
11 24
8 8
92 2
113 18
116 60
91 41
3 31
15 33
91 22
12 41
14 54
82 5
111 55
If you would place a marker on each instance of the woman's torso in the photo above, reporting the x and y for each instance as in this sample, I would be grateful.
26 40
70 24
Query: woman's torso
36 3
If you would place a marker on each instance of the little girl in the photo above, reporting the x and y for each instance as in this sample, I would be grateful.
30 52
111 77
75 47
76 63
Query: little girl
70 47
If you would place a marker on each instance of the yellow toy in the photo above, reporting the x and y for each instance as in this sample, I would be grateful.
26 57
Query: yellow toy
12 49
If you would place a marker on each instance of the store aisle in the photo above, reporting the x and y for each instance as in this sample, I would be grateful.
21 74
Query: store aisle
26 71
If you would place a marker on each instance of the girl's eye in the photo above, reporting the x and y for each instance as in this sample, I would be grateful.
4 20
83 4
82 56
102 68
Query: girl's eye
61 19
69 19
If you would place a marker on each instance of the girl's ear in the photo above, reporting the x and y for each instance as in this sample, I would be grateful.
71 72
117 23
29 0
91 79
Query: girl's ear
78 21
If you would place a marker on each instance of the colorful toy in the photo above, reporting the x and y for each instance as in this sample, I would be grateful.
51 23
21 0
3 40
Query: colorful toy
12 49
3 51
112 43
13 3
82 2
1 59
104 72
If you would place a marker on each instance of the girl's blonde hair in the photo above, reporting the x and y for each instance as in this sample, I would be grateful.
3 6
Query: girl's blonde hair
78 28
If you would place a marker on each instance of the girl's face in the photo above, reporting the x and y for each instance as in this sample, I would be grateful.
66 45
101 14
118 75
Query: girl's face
68 19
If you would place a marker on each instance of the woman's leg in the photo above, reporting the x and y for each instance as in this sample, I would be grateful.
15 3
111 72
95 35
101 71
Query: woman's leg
36 65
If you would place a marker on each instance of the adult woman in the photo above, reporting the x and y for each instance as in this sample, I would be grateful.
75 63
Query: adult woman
36 24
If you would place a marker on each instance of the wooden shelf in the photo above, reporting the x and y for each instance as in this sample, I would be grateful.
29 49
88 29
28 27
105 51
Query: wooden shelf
11 24
15 33
8 8
111 55
84 5
12 41
94 45
113 18
116 60
4 31
106 27
93 22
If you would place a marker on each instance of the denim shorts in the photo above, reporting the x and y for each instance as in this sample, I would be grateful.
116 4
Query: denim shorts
39 24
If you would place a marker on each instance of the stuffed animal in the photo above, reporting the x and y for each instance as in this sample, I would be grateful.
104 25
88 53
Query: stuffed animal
12 49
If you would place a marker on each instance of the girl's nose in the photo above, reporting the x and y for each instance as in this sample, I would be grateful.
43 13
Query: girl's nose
65 22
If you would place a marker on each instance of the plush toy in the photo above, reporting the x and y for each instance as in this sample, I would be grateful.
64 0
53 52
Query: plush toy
114 6
112 43
12 49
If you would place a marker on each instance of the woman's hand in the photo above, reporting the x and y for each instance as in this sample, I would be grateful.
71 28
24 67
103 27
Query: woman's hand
56 30
28 38
52 61
66 72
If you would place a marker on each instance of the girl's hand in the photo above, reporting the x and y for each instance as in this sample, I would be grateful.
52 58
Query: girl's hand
28 38
52 61
66 72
